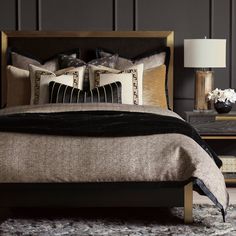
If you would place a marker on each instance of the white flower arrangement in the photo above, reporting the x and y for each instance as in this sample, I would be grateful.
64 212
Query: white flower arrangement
219 95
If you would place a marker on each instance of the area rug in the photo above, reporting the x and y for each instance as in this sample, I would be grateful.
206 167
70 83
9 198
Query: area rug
134 222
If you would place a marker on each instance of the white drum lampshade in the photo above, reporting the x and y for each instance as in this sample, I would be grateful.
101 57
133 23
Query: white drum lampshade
203 54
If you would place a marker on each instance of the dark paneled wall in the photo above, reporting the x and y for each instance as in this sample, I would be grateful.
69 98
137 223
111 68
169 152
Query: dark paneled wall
188 18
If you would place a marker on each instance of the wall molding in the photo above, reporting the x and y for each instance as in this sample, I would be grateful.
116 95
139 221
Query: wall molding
232 39
39 15
114 13
18 14
211 18
135 15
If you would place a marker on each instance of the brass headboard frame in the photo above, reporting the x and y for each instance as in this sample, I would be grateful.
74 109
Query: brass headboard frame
167 35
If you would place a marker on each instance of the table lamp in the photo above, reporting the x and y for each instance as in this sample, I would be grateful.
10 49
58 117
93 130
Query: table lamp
204 54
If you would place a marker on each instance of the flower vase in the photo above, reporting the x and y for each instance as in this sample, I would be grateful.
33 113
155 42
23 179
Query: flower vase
223 107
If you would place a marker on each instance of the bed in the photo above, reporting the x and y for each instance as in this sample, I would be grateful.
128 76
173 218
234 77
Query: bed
110 176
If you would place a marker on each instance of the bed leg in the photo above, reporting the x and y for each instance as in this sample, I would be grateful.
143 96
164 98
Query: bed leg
188 203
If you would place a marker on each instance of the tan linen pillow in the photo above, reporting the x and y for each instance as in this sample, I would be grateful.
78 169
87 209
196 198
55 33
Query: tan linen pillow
18 87
154 89
23 62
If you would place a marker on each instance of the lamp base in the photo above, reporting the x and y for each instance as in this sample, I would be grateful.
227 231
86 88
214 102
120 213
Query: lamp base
203 85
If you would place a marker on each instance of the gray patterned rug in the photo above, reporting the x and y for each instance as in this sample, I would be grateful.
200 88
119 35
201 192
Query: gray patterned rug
207 221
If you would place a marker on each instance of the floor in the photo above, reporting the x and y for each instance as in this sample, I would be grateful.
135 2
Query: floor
198 199
207 221
151 222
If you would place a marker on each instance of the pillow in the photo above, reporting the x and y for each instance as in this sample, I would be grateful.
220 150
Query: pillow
61 93
40 78
67 61
150 60
93 69
22 61
154 92
18 87
131 80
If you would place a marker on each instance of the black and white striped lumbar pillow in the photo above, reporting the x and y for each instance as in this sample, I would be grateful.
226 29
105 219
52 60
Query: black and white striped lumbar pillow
61 93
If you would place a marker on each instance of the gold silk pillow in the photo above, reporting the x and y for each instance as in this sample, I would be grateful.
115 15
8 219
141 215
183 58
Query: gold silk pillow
154 89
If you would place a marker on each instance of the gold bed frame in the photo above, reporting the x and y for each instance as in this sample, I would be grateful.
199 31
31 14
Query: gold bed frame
168 35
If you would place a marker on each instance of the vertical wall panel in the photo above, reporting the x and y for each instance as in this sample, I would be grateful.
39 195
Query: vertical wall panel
124 14
28 14
8 15
188 19
77 15
233 39
182 105
221 29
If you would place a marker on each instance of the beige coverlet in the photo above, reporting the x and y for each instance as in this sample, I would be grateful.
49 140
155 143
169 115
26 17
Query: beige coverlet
40 158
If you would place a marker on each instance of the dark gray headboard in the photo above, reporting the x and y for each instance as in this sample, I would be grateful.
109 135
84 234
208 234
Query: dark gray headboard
46 44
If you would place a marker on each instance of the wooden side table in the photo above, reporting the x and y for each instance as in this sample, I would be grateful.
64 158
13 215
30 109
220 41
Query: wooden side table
214 126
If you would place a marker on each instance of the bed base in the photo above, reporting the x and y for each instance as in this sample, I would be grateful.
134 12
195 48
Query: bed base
99 195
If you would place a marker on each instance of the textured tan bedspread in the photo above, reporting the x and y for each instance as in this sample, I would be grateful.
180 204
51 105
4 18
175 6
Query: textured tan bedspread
161 157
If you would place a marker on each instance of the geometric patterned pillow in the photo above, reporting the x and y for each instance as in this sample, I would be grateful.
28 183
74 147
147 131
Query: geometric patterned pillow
69 61
40 78
131 80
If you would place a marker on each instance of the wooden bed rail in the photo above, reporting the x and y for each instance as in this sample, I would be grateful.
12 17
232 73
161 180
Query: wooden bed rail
76 195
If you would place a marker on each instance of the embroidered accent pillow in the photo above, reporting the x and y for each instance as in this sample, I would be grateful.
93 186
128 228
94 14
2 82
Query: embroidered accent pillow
131 80
93 69
40 78
61 93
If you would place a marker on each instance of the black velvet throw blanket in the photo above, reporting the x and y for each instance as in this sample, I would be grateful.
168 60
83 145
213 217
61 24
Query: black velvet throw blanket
101 124
107 124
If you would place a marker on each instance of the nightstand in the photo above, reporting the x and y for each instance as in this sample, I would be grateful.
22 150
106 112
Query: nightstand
213 126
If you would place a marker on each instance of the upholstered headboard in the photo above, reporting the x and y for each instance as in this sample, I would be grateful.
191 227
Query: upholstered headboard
46 44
